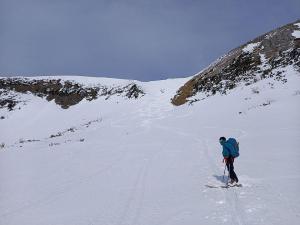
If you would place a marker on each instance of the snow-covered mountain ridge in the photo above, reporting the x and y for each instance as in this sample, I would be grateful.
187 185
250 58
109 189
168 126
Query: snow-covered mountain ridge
63 91
263 57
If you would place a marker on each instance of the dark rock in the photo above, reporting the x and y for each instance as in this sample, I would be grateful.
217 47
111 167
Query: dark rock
8 103
134 91
65 93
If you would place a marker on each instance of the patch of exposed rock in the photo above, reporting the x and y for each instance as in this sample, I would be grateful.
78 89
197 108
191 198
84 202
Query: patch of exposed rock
64 93
258 59
8 100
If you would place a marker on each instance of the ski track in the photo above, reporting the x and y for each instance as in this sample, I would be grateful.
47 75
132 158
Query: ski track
149 117
230 195
237 215
63 189
133 207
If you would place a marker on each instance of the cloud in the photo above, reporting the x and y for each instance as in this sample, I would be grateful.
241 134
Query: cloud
144 40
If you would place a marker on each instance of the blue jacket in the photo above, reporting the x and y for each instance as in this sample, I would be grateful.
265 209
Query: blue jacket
227 148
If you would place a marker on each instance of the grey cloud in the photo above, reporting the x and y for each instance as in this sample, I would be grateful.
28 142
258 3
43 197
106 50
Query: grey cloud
144 40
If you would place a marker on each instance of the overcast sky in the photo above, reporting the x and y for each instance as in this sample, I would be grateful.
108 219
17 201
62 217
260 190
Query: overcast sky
135 39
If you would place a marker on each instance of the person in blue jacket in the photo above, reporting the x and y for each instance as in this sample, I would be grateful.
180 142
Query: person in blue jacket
228 159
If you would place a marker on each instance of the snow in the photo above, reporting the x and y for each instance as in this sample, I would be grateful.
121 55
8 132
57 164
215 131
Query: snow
296 33
250 47
147 162
264 63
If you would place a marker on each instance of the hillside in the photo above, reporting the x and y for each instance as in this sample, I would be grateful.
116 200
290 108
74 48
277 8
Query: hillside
64 92
266 56
94 151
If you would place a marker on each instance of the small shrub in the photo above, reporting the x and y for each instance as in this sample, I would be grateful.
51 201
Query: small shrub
56 135
255 90
52 144
72 129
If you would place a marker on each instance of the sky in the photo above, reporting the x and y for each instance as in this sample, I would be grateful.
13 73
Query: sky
130 39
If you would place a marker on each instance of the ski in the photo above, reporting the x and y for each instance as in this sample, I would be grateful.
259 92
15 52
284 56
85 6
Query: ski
223 186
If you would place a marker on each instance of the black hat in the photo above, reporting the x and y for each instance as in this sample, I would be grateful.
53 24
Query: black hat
222 139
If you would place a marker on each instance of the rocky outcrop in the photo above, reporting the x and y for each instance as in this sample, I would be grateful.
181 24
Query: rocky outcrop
64 93
258 59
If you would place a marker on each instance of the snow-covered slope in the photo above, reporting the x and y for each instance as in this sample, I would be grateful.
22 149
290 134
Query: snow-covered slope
145 161
98 151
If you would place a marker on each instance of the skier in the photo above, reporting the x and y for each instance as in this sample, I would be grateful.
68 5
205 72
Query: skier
229 153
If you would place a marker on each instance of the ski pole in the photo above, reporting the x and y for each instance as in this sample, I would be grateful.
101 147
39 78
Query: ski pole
227 178
224 173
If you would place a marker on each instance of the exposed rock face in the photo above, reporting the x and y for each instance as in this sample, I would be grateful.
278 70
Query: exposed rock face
258 59
64 93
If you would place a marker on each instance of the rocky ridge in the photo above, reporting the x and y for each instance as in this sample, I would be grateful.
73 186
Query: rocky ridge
65 93
260 58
